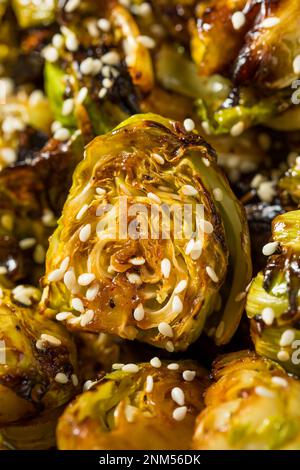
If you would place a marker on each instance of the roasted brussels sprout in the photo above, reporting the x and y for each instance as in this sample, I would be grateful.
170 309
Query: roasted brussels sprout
273 298
253 405
141 406
38 359
123 261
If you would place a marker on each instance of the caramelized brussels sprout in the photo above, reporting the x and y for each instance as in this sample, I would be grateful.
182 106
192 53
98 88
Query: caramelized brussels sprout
123 261
253 405
38 360
139 407
273 299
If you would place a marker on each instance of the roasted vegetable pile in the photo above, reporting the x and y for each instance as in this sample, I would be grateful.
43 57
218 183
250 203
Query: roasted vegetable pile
149 224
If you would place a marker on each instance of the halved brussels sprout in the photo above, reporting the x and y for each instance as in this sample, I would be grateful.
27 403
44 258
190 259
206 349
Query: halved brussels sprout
139 407
149 236
38 358
253 405
273 299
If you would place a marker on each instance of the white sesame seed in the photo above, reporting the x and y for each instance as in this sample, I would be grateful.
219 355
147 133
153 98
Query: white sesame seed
158 158
92 292
70 280
61 378
280 381
85 233
64 264
61 316
189 246
27 243
100 191
144 9
133 368
8 155
77 305
50 53
220 329
189 375
3 270
189 190
177 396
155 362
62 134
283 356
24 294
266 191
146 41
111 58
138 261
170 346
50 339
71 5
181 286
205 226
268 315
86 66
86 278
177 306
264 392
211 273
149 384
107 83
196 250
82 94
55 126
238 20
97 66
237 129
206 161
82 211
36 97
12 124
179 413
189 125
270 248
117 366
139 313
72 43
269 22
154 197
296 64
287 338
104 25
88 385
130 413
165 266
87 317
75 380
58 41
134 278
165 329
218 194
67 107
55 275
173 366
102 93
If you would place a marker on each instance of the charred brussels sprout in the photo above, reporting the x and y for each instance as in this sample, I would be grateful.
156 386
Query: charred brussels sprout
273 299
152 235
253 405
37 358
139 407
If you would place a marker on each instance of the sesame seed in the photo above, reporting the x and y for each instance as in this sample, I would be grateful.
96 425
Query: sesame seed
27 243
55 126
170 346
102 93
86 66
279 381
158 158
196 250
146 41
104 25
111 58
177 306
92 292
206 161
165 329
77 305
264 392
257 180
12 124
71 5
205 226
85 279
238 20
144 9
296 64
75 380
61 378
51 339
138 261
218 194
268 315
88 385
179 413
8 155
270 248
139 313
266 191
85 233
72 43
62 134
70 280
97 66
87 317
134 278
107 83
211 273
220 329
189 125
189 246
133 368
68 107
50 53
64 264
181 286
177 396
270 22
283 356
55 275
3 270
154 197
155 362
61 316
36 97
165 267
117 366
173 366
189 375
82 211
130 413
287 338
149 384
237 129
189 190
58 41
100 191
82 95
24 294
